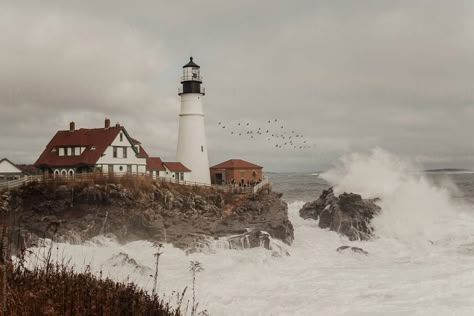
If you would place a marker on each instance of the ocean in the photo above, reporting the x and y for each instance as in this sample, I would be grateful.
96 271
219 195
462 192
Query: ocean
421 261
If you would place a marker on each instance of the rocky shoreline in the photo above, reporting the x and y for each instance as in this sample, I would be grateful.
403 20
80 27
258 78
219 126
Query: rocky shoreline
187 217
347 214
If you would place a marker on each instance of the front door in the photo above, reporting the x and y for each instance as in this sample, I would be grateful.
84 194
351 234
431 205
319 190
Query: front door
111 169
176 176
219 178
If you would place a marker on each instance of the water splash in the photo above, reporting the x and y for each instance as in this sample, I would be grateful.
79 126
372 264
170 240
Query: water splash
413 207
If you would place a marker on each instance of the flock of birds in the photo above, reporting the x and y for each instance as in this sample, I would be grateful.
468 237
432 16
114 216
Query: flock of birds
273 131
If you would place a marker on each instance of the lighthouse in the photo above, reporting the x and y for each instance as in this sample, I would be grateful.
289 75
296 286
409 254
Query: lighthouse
192 145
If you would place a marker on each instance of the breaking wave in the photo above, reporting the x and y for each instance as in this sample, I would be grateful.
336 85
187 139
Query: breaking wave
414 208
420 263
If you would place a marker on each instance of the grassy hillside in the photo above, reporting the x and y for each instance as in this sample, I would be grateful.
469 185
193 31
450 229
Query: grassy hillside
57 290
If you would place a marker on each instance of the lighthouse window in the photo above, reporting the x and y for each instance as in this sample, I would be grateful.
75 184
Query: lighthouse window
202 148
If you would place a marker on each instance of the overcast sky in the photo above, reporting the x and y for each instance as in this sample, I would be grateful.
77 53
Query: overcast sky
348 75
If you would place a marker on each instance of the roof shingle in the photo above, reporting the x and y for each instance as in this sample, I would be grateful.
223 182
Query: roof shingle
236 164
154 164
176 167
98 138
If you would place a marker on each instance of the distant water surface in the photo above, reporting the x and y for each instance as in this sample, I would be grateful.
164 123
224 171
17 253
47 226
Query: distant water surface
309 186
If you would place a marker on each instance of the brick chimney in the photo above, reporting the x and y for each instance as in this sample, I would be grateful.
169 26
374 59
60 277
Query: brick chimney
117 125
72 126
107 123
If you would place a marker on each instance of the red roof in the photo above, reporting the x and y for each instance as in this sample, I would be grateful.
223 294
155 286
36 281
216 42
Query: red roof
134 141
236 164
96 141
176 166
142 153
154 163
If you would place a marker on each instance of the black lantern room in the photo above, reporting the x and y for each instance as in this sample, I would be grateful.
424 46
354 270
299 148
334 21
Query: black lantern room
191 79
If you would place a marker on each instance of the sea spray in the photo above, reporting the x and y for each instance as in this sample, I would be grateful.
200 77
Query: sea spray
413 207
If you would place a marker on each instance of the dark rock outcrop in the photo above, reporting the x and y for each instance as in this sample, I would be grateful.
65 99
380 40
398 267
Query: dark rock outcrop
347 214
354 249
162 212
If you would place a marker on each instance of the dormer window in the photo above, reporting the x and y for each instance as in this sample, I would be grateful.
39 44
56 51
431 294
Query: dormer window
54 150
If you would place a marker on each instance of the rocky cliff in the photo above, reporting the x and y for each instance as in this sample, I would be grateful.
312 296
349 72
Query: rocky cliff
347 214
183 216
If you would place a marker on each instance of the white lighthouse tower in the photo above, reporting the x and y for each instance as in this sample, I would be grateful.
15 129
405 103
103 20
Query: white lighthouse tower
192 145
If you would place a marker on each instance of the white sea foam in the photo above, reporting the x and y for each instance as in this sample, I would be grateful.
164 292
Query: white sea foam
414 208
421 263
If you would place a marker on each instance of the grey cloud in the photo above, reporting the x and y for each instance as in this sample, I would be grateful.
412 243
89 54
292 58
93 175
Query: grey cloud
350 76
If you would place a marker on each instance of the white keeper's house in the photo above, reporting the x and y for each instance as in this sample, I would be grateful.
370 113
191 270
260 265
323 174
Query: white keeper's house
8 171
108 149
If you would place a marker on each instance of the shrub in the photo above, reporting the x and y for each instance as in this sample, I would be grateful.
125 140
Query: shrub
58 290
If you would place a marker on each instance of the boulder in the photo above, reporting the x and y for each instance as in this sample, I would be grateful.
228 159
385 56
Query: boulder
347 214
354 249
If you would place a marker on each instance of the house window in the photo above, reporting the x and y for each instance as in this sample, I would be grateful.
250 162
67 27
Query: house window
115 152
61 151
202 148
121 137
66 151
121 168
124 152
129 168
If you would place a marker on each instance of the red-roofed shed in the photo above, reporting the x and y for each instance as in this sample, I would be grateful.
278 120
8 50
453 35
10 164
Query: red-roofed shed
236 171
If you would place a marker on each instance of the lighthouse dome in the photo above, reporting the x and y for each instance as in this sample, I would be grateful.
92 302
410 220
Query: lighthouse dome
191 63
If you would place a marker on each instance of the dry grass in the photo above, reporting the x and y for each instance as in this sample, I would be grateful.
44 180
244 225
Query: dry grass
136 184
57 290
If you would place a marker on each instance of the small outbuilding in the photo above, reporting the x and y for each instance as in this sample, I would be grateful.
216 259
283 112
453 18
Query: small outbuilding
236 171
8 171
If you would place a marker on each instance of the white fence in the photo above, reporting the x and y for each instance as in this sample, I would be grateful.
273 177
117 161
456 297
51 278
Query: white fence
85 177
19 182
